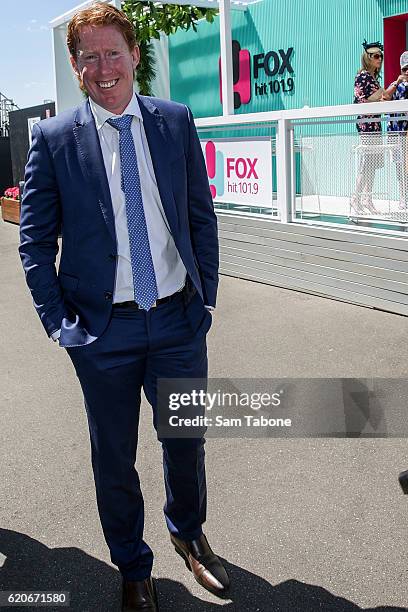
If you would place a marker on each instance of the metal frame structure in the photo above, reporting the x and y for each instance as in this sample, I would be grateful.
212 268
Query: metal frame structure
6 106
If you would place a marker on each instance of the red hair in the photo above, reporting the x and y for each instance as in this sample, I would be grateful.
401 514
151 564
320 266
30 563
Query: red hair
97 15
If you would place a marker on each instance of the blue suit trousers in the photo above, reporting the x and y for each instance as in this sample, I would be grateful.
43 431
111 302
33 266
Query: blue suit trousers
136 350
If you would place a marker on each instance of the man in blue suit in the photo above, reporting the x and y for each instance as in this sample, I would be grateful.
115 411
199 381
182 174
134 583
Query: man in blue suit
123 180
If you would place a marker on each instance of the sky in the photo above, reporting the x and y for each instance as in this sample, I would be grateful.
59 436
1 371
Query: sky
26 62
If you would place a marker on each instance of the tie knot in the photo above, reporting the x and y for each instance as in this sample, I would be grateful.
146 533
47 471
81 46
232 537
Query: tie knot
121 123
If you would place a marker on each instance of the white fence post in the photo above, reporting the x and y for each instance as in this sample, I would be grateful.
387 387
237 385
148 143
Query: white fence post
284 170
226 58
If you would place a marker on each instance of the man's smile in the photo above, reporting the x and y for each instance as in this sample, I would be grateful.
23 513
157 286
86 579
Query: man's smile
107 84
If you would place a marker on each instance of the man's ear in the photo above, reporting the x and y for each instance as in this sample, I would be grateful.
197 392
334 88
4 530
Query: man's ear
75 66
135 57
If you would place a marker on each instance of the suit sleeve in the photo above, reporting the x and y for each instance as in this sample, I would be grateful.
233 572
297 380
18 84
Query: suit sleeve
203 221
40 223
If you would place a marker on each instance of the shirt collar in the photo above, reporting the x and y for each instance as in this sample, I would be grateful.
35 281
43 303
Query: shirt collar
101 115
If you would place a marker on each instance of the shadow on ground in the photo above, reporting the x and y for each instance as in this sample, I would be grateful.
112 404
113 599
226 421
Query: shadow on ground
95 586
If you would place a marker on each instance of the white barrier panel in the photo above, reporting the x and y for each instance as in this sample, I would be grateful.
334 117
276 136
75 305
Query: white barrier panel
240 170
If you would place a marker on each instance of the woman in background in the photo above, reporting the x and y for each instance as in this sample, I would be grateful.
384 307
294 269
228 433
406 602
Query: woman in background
397 134
368 89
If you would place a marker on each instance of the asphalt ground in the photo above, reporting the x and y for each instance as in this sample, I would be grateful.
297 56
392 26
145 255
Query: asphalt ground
302 524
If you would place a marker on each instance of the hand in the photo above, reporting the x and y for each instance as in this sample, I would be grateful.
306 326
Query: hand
401 79
55 335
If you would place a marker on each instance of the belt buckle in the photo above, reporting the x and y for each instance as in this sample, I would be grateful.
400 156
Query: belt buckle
152 306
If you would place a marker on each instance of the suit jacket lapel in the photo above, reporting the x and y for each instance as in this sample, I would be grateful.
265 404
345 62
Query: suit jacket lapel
161 148
92 162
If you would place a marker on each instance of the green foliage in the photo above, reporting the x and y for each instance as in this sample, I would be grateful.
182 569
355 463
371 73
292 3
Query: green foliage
145 72
149 20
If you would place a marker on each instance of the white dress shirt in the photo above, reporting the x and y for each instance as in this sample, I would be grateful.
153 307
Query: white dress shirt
168 266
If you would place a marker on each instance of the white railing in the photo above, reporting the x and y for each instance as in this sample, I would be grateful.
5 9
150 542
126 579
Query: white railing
343 110
287 145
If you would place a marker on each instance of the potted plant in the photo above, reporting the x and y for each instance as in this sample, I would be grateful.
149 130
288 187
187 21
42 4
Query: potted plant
10 205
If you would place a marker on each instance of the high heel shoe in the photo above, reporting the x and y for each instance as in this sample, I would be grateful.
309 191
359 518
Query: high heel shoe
356 205
368 204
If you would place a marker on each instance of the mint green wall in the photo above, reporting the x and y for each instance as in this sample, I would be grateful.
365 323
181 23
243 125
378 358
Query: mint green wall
326 36
392 7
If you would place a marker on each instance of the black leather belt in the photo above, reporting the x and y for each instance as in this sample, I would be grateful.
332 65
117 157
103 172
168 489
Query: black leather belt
135 305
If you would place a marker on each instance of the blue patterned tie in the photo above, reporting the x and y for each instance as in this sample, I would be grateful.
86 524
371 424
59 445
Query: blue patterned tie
144 278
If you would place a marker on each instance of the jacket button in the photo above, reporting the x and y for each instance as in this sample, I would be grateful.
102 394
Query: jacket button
108 295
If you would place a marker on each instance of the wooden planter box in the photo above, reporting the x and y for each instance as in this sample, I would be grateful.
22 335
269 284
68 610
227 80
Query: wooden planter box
10 210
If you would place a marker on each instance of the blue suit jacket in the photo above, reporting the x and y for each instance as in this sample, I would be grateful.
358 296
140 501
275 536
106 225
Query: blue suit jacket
66 192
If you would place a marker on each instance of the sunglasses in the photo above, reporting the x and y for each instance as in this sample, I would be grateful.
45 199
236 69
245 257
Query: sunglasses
375 55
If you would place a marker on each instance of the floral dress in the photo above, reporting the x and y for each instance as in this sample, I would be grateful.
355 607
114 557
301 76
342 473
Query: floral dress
364 87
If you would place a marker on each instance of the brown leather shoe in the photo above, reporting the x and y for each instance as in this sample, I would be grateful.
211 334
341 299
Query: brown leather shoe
139 595
206 567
